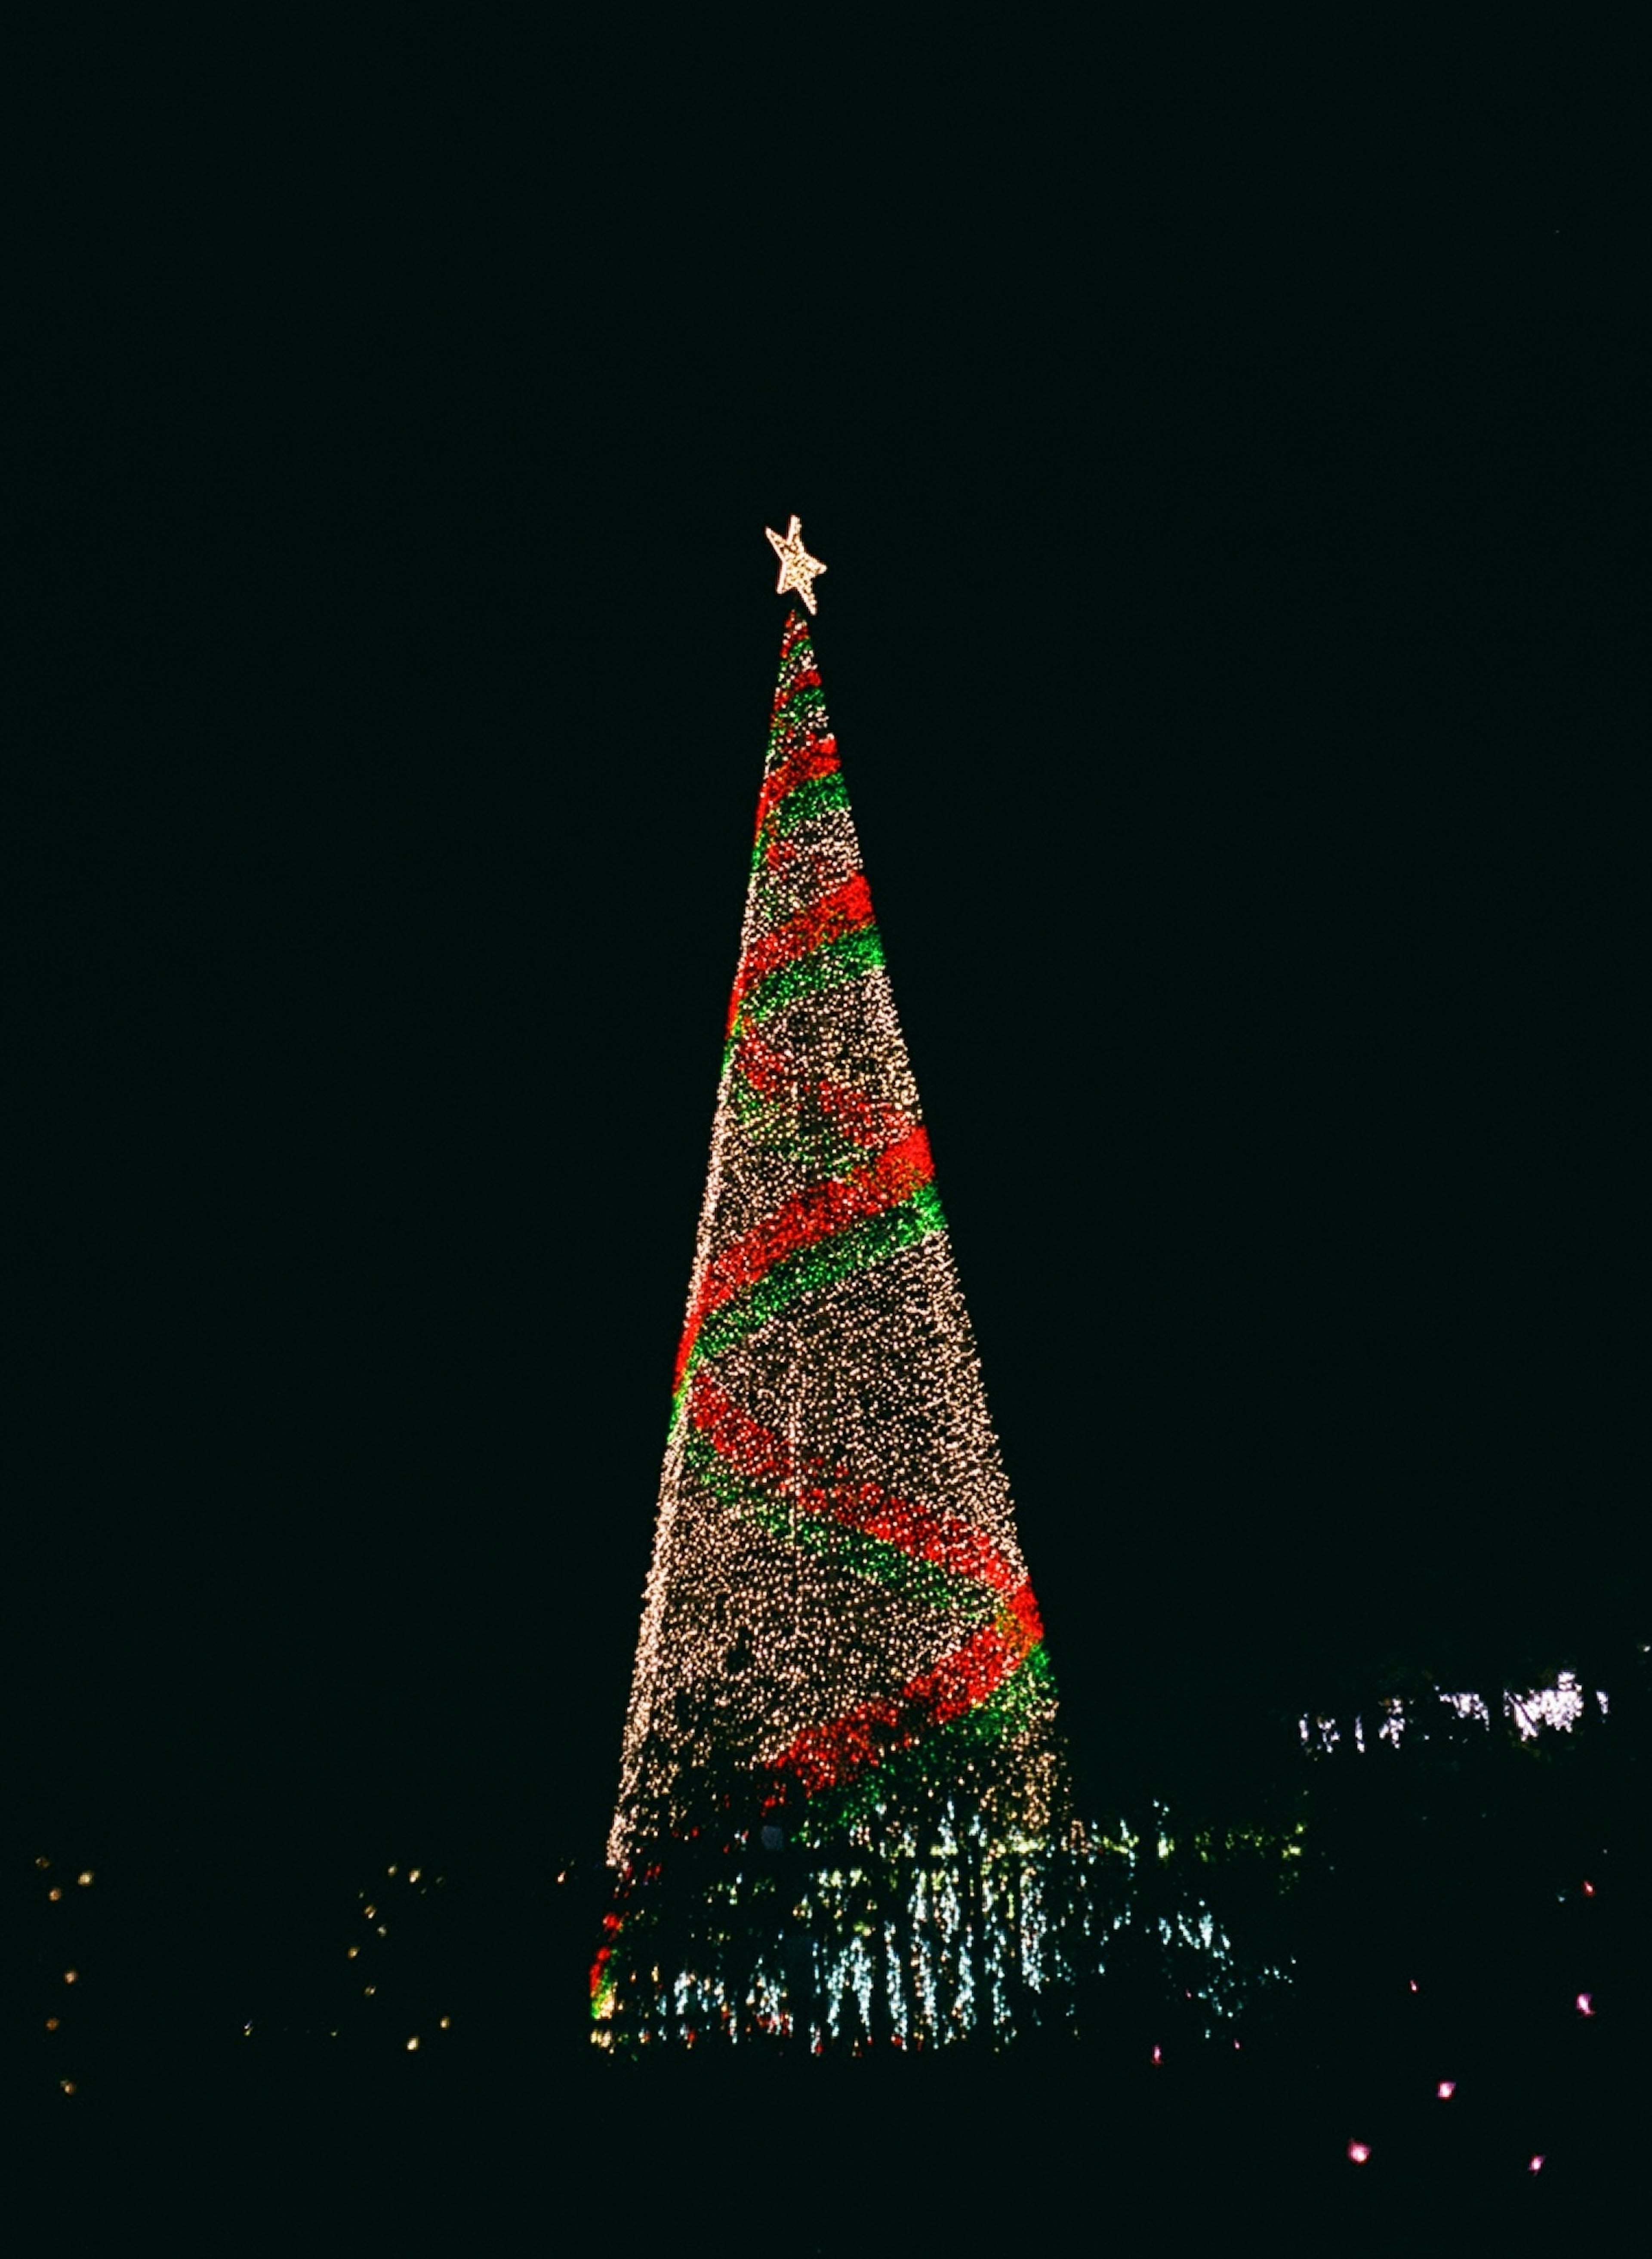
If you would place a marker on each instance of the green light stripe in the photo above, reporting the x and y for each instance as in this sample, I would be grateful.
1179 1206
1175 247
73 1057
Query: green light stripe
818 796
818 1148
921 1581
804 697
832 966
814 797
938 1757
870 1241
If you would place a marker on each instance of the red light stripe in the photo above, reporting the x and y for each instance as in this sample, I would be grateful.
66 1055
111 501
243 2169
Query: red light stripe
869 1121
922 1532
823 1755
844 911
803 1221
814 757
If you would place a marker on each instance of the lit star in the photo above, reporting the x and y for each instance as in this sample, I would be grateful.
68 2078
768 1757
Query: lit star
798 568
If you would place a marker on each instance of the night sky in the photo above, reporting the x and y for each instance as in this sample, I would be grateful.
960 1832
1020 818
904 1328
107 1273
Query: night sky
1226 453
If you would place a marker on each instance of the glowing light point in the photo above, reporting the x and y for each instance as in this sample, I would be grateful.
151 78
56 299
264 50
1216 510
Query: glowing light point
1358 2151
84 1879
1413 1982
413 2044
798 569
1585 2003
1589 1890
73 1976
1534 2164
1445 2089
1158 2054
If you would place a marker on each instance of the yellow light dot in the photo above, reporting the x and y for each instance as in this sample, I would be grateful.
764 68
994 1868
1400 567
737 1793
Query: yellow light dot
413 2043
354 1949
84 1879
71 1976
54 1892
413 1874
371 1911
389 1871
447 2022
369 1990
43 1862
68 2086
51 2023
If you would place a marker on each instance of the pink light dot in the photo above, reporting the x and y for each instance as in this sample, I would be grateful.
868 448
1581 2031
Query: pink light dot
1158 2054
1413 1983
1536 2166
1446 2089
1589 1890
1359 2151
1585 2003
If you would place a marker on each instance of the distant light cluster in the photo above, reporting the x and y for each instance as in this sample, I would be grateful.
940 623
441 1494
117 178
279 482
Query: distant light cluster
1555 1708
838 1623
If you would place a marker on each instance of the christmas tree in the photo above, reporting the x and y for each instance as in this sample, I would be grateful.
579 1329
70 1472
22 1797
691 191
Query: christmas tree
840 1770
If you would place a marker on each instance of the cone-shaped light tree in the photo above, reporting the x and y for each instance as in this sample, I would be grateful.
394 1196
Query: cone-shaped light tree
841 1679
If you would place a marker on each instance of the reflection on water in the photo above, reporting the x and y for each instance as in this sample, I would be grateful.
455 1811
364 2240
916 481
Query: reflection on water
915 1938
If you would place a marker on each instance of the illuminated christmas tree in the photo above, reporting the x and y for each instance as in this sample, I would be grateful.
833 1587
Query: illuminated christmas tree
841 1782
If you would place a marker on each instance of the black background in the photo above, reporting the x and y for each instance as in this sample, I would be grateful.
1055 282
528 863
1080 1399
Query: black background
1225 446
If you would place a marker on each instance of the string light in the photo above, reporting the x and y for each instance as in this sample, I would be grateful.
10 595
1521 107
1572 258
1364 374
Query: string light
1359 2151
839 1631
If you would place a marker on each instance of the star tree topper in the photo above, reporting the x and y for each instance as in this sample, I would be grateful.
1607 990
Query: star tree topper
798 568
